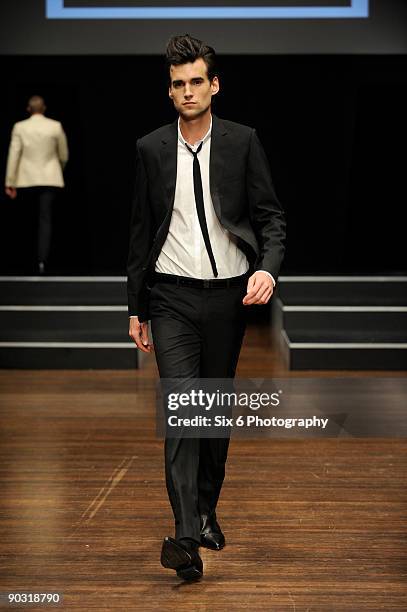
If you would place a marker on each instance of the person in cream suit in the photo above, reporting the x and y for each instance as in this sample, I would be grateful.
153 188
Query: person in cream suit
37 156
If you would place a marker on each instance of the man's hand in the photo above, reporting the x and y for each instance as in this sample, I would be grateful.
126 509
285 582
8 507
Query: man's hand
139 333
11 192
259 289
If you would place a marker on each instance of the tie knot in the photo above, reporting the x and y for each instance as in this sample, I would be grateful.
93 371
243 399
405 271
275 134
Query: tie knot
194 153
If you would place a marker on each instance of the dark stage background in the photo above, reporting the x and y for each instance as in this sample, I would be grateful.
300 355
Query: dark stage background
333 126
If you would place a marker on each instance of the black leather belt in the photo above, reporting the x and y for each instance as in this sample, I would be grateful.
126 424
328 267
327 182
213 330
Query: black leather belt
200 283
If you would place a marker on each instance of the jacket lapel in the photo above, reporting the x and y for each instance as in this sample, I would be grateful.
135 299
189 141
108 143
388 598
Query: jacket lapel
219 146
168 159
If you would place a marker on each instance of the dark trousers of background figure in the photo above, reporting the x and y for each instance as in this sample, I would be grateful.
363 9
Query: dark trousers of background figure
197 333
38 203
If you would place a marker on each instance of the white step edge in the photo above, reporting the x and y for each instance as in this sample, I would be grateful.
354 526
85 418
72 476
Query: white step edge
285 279
117 308
74 308
298 308
342 345
66 279
85 345
348 345
341 279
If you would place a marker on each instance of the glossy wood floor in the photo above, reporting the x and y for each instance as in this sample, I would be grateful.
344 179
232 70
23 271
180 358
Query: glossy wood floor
310 525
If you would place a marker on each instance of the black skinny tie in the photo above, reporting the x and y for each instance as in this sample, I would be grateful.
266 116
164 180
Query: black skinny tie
200 208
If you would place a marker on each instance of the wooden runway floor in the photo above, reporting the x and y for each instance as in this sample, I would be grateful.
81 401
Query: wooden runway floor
317 525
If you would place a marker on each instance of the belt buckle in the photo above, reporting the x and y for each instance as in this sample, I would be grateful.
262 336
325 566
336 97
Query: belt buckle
206 283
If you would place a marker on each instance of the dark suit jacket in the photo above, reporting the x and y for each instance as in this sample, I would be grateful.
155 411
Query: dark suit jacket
242 193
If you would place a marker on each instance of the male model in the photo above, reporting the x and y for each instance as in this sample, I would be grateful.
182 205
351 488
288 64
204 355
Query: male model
37 156
206 240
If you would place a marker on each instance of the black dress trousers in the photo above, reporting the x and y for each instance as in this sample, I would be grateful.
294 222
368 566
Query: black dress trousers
197 333
38 203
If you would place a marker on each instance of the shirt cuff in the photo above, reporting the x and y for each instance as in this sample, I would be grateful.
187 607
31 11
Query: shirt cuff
270 275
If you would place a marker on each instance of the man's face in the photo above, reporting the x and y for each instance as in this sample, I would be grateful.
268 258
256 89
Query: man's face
190 89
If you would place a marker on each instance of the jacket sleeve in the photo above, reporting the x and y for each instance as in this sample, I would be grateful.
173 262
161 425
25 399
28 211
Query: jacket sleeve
267 214
140 243
63 152
13 159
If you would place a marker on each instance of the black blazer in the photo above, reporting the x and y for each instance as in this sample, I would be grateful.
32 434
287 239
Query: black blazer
242 193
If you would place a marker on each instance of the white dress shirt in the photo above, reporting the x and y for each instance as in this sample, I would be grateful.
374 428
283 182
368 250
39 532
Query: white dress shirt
184 252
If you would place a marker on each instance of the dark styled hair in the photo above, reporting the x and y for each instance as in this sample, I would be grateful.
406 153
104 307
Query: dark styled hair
184 49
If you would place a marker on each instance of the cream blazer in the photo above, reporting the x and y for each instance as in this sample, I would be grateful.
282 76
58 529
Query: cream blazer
37 154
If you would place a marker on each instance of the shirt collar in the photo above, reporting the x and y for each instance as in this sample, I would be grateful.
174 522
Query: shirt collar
182 139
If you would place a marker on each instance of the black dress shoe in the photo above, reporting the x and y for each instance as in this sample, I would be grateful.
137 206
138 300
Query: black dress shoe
183 557
211 534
